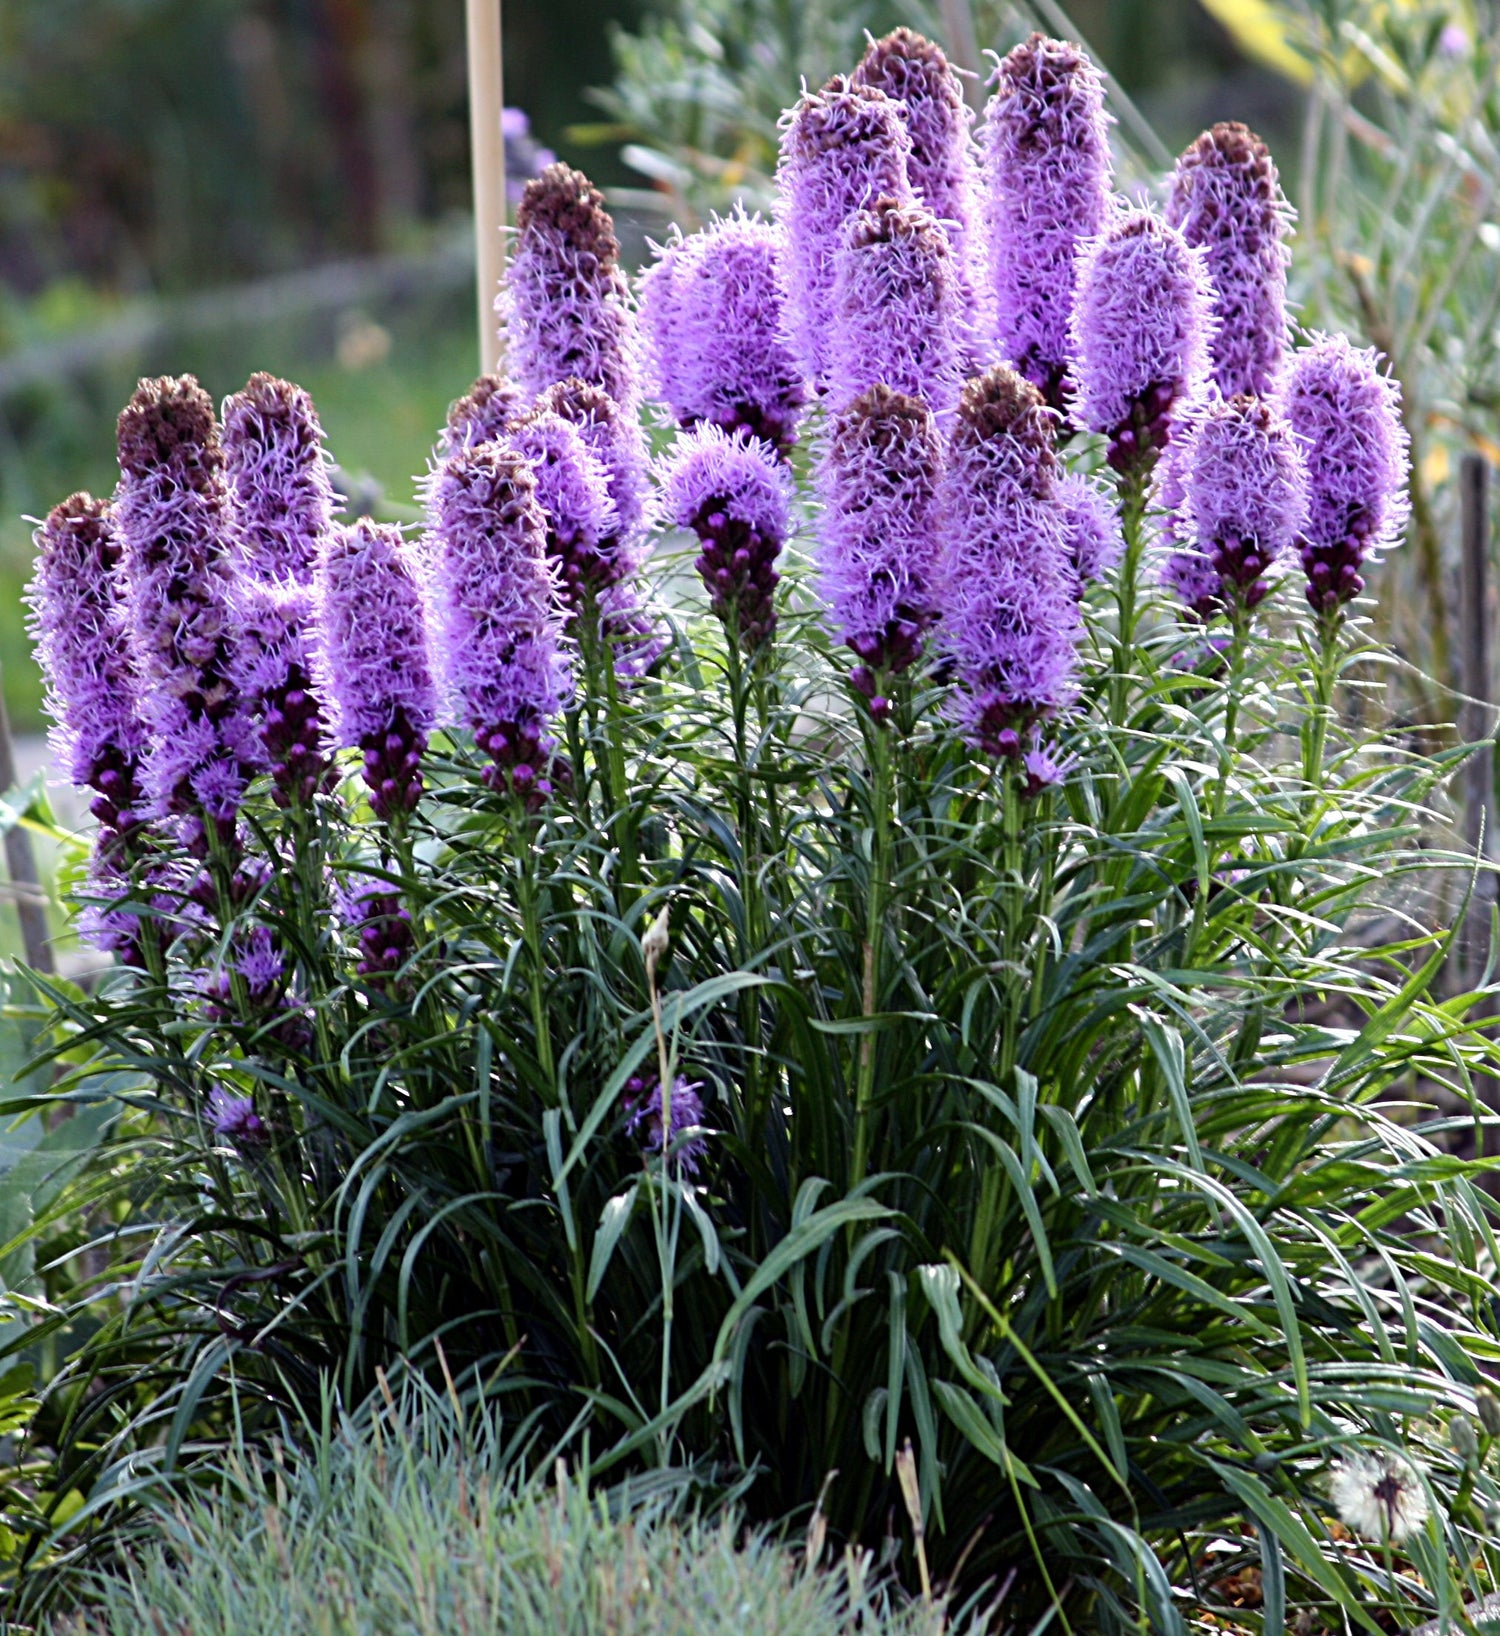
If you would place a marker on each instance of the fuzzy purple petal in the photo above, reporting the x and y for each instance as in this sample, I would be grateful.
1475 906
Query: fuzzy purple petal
842 148
278 477
1095 541
572 488
486 411
614 434
1047 181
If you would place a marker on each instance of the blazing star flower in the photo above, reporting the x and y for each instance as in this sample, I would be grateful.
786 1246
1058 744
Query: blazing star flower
278 476
1379 1496
234 1119
1142 327
176 527
1240 473
486 411
572 488
1008 588
566 303
914 72
273 669
83 647
615 437
712 314
498 628
370 661
643 1099
372 909
1347 415
841 149
1047 177
895 310
735 495
1227 198
1095 543
877 541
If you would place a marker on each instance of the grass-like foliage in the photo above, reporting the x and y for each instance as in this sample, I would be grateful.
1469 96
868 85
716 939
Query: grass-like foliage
410 1518
1059 1136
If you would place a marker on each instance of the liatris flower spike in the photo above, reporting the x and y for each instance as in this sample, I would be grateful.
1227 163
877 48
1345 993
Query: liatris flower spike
1142 326
1240 473
915 73
1227 198
176 527
566 302
78 621
712 310
896 317
877 539
497 626
372 663
1095 541
1008 588
486 411
572 488
735 495
841 149
279 478
1047 178
274 671
615 437
1347 414
643 1098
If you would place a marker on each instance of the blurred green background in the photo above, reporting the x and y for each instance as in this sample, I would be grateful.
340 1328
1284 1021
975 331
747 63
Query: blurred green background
228 185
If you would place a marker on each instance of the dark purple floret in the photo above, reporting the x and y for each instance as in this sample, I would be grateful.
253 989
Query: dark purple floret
486 411
566 302
572 488
1008 589
371 659
1243 491
1142 326
372 909
878 540
896 312
643 1100
842 148
278 476
234 1119
77 599
1347 414
1227 198
915 73
176 528
498 625
712 312
734 494
1047 176
274 670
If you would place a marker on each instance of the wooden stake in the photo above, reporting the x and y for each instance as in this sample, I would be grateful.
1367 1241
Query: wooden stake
487 157
1476 718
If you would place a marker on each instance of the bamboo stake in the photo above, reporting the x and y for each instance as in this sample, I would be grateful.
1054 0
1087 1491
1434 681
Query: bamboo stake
487 157
1476 723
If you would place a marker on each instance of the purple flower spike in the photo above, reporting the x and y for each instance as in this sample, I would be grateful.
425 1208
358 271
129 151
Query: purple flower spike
712 313
372 909
1047 178
735 495
175 523
896 313
643 1099
1227 198
278 476
877 544
614 435
914 72
371 663
234 1119
1010 617
1347 415
274 672
841 149
1095 543
1142 328
1244 498
83 646
572 488
566 303
498 626
486 411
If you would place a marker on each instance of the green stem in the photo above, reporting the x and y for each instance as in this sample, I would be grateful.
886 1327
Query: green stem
1315 742
751 935
621 815
1133 489
875 909
528 893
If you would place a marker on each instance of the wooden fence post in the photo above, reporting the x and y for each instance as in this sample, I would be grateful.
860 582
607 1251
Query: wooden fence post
487 158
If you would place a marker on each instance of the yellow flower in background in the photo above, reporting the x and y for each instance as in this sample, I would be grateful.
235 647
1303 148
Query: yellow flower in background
1264 32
